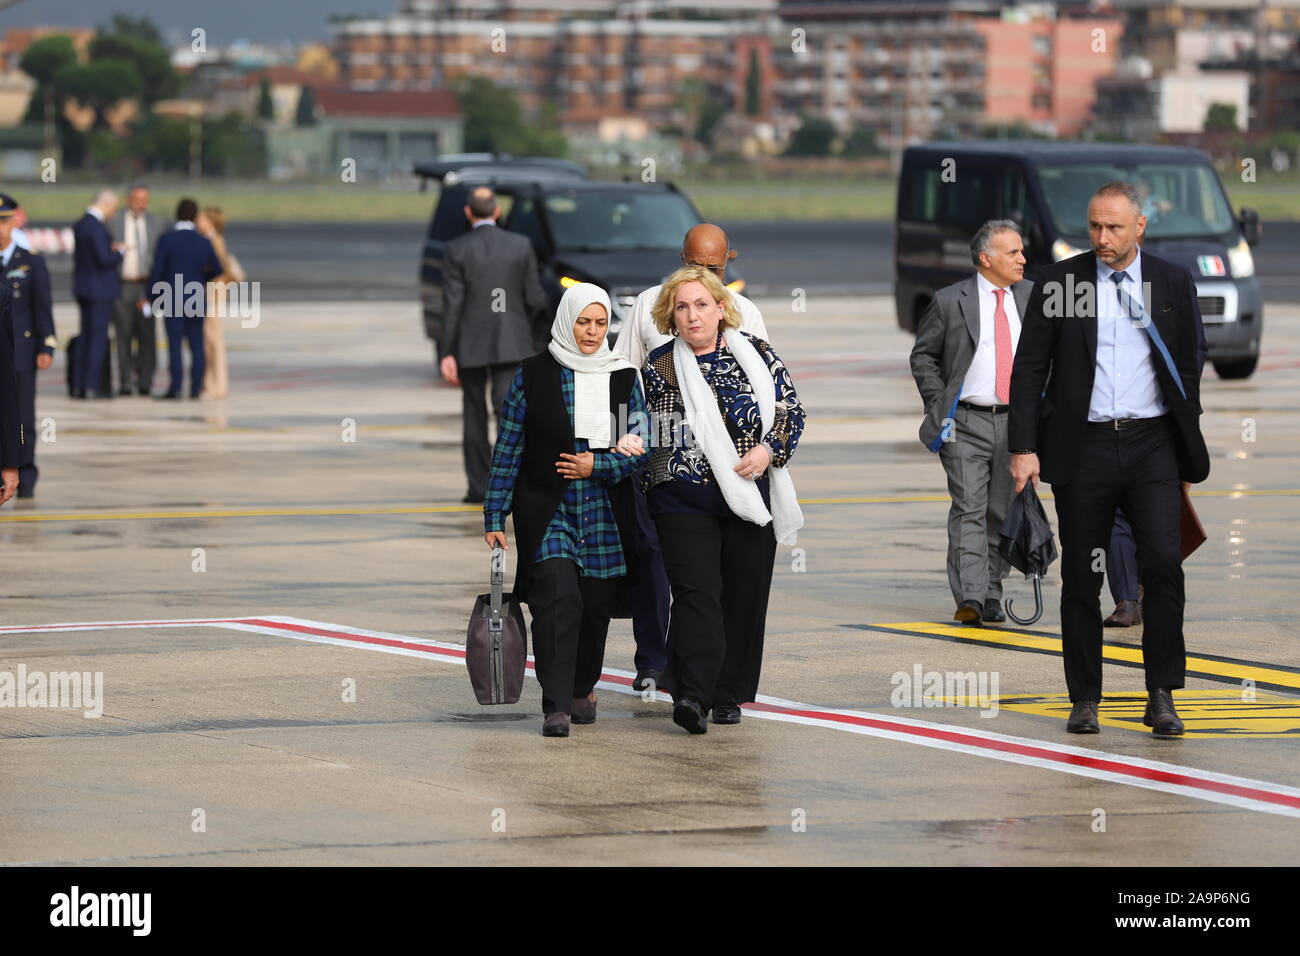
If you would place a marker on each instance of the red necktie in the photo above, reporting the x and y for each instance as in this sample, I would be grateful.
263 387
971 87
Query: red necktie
1002 349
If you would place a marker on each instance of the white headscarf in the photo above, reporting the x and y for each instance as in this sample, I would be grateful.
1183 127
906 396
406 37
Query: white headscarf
590 372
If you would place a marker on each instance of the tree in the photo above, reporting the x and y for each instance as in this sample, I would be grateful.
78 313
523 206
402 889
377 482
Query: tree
125 25
812 138
151 61
753 87
306 115
101 86
494 122
1221 118
265 105
42 62
861 141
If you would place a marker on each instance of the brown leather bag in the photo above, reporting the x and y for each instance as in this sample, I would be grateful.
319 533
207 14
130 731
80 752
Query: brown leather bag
496 644
1191 532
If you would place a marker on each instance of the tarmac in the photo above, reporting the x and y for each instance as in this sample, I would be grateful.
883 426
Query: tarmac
295 573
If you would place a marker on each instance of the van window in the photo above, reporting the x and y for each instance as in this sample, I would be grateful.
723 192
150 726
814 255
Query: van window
1180 200
964 204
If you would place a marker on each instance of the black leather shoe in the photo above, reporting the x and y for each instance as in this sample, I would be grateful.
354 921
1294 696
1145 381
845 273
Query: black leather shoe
1083 718
168 396
969 612
556 725
645 678
123 391
471 499
689 715
726 713
1126 614
993 612
582 710
143 391
1161 716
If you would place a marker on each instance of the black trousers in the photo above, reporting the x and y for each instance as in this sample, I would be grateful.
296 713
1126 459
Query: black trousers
474 435
720 570
570 622
27 472
650 594
1135 469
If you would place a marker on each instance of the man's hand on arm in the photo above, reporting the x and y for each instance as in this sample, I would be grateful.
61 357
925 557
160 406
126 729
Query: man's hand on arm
8 484
449 370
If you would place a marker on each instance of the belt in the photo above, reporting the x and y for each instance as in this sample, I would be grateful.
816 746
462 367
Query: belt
995 409
1119 424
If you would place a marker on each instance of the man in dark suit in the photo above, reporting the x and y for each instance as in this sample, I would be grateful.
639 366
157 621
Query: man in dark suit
962 361
492 293
137 229
28 281
183 262
12 438
96 260
1112 336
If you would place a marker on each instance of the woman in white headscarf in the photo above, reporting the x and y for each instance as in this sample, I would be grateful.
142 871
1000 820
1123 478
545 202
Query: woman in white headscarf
557 468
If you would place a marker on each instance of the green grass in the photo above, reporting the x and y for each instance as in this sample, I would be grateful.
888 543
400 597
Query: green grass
736 199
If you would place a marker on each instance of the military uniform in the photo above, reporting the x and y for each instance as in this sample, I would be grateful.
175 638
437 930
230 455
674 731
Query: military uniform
27 281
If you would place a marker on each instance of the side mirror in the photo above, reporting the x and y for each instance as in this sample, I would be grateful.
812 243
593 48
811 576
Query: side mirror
1249 221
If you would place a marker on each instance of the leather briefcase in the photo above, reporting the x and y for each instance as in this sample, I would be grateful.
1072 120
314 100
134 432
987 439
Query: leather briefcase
496 644
1191 532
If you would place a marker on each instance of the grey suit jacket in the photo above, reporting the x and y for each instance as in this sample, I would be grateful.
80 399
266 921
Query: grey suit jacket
153 228
492 292
945 344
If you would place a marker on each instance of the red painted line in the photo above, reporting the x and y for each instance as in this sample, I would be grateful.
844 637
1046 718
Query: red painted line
344 635
1042 753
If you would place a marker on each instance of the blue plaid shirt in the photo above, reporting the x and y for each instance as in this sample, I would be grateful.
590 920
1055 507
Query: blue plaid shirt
583 528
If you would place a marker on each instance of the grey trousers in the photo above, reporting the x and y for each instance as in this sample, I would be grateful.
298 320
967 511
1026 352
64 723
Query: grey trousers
131 328
979 482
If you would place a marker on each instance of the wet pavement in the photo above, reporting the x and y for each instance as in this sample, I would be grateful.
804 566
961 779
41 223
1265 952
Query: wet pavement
303 570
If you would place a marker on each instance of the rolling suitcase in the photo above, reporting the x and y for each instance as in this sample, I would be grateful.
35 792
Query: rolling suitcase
496 644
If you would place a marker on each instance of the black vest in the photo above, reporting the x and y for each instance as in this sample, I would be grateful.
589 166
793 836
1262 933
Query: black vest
539 490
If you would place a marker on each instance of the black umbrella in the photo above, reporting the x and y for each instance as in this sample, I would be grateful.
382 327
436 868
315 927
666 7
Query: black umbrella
1027 545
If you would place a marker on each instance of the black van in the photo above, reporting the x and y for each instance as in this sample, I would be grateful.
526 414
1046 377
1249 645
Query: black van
947 190
623 236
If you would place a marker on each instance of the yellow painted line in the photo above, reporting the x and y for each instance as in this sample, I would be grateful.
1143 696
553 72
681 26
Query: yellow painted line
1260 673
1205 713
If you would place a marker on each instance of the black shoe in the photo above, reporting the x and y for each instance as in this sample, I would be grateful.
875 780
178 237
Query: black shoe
168 396
471 499
123 391
969 612
646 678
1083 718
556 725
143 391
79 393
993 611
582 710
688 714
1160 715
26 493
726 713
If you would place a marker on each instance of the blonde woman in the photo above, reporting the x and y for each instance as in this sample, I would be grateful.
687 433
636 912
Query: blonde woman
212 224
725 420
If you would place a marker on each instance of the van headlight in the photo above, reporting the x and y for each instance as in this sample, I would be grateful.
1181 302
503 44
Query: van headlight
568 282
736 285
1063 250
1241 261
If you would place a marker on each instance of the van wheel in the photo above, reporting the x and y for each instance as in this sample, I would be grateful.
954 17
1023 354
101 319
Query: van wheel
1240 368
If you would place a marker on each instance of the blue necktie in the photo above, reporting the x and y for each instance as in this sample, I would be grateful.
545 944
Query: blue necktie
1137 314
1126 301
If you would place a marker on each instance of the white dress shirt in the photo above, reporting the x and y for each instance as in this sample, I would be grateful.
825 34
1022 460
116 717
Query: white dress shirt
137 242
981 384
1125 384
639 337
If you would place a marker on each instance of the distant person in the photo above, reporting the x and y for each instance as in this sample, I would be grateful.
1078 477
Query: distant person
20 237
28 283
726 420
491 292
211 224
1105 405
96 283
137 229
705 245
183 262
12 438
962 360
563 472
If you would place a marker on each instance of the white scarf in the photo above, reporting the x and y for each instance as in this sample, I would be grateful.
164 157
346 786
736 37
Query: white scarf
590 372
742 495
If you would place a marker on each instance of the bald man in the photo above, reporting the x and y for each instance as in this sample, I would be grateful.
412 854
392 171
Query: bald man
704 245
